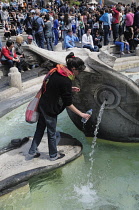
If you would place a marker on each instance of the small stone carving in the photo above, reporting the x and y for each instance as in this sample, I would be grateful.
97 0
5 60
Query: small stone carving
15 78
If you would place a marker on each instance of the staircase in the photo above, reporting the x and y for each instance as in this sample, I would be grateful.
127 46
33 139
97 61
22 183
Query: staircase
125 63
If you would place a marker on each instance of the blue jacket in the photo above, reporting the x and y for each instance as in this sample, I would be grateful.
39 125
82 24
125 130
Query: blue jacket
105 18
56 24
69 41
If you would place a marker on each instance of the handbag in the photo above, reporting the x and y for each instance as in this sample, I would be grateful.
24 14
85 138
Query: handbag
32 114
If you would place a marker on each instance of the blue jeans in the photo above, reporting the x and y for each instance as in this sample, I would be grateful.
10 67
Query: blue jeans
89 46
50 122
49 43
80 33
56 36
74 29
122 46
40 39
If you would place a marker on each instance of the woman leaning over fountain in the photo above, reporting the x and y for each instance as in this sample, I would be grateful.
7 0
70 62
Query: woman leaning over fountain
57 95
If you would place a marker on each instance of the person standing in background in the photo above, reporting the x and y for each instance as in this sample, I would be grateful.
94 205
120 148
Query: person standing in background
56 25
105 18
39 34
115 22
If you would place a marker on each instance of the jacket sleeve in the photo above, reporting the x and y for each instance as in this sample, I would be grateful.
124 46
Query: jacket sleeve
115 10
5 52
67 43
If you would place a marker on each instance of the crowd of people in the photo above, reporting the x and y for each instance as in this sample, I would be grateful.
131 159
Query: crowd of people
91 25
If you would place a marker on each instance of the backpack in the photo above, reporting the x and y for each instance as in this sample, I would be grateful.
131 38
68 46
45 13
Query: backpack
35 24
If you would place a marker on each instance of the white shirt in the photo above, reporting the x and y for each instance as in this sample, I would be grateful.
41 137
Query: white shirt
87 40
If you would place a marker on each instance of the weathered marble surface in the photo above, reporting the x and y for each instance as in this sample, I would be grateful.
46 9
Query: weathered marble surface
16 166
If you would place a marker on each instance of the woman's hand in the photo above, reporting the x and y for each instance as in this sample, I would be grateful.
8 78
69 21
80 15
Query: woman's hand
75 89
85 116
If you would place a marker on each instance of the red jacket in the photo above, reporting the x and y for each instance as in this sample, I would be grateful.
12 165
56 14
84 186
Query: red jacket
115 15
8 54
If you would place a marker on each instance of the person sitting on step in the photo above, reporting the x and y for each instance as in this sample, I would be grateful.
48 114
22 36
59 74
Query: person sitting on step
70 39
87 42
123 44
8 56
7 33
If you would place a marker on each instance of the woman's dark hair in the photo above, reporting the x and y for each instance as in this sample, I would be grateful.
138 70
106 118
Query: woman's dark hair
66 19
74 62
47 16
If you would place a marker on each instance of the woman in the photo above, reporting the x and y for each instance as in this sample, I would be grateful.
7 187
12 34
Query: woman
97 39
28 24
19 51
7 32
48 33
56 24
80 26
67 24
4 16
57 95
13 30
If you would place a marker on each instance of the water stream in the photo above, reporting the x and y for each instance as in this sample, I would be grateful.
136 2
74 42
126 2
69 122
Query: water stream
87 191
94 141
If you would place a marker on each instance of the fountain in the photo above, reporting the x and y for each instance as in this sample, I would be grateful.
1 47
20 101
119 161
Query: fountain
100 80
111 183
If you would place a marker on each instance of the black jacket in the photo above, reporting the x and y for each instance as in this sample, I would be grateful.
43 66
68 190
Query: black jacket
136 19
58 95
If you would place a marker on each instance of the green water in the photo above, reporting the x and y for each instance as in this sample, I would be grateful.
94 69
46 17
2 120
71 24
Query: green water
114 181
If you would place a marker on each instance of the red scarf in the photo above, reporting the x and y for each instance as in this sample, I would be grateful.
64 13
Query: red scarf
61 69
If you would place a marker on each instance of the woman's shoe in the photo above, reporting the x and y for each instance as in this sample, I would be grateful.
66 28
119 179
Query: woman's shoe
35 155
58 156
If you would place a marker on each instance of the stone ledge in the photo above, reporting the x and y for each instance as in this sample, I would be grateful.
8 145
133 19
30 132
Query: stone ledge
8 92
17 167
28 84
126 65
106 57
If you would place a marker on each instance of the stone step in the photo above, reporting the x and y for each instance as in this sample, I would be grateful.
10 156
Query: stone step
126 65
126 59
3 38
14 38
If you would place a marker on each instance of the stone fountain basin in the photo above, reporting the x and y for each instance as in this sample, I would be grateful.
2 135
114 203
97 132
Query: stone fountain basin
17 167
